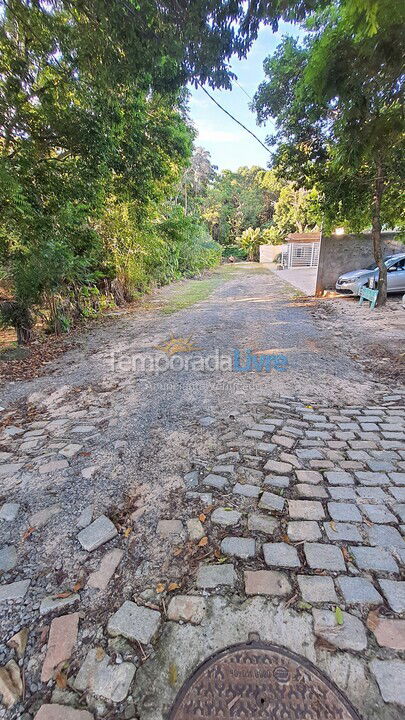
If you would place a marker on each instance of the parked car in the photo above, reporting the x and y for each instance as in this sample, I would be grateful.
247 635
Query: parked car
351 283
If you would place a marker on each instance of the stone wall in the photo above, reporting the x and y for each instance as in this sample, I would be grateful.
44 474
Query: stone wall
342 253
269 252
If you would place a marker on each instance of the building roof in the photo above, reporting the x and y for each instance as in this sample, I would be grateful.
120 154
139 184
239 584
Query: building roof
304 237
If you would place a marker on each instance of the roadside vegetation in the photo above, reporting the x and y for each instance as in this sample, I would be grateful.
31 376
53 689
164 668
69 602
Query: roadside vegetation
102 192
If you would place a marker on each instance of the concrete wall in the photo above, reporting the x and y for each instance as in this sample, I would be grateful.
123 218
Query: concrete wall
342 253
269 252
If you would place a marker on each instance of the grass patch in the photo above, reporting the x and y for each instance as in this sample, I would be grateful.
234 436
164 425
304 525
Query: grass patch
194 291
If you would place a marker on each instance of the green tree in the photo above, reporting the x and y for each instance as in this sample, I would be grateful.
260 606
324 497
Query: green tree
340 121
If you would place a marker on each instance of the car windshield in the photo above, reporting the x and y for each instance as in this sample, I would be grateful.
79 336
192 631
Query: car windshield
373 266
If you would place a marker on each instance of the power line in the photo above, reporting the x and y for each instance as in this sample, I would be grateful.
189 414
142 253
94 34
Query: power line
233 118
243 89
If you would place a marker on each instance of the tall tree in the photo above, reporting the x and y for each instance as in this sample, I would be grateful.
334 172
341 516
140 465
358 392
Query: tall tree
338 103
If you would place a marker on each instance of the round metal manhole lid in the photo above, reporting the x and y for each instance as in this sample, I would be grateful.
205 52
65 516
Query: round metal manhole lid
260 682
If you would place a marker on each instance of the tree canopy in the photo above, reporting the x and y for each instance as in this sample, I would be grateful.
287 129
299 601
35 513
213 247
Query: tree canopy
337 97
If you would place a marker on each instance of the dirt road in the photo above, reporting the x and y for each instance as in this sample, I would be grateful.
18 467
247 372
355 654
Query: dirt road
119 427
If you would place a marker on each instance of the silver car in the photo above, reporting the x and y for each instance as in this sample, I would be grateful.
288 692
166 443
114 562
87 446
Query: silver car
351 283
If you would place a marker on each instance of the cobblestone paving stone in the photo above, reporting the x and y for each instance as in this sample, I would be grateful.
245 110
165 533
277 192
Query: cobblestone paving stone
303 507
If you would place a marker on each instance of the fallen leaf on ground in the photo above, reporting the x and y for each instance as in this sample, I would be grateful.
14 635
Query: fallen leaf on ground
339 615
333 525
127 532
202 518
173 586
61 680
160 587
203 542
172 675
28 533
78 586
60 596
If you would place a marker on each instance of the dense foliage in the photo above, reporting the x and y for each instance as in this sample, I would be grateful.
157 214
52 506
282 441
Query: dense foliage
338 102
253 206
94 139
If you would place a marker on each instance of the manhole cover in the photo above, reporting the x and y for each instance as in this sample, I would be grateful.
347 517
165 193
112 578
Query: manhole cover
260 682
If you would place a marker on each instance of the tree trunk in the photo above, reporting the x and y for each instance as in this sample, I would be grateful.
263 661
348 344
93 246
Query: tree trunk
376 235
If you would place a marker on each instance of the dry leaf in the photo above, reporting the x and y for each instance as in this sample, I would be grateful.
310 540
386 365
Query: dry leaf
100 654
208 509
127 532
60 596
333 525
172 675
61 680
28 533
202 518
160 587
78 586
203 542
173 586
177 551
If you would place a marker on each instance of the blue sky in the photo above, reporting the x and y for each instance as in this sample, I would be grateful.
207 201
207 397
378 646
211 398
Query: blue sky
231 146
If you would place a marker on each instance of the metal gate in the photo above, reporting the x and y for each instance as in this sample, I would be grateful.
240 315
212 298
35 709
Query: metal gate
302 255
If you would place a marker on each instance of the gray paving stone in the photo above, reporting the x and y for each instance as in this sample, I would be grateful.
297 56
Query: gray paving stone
266 447
372 493
8 558
218 469
256 434
298 530
53 466
370 478
372 558
50 603
103 678
342 493
9 511
398 478
134 622
262 523
280 555
324 557
343 531
277 481
7 469
378 514
171 529
309 454
358 590
306 509
349 636
251 491
344 512
400 511
271 501
313 477
243 548
390 677
275 466
317 588
225 516
310 491
336 477
85 517
216 481
212 576
41 517
394 591
97 533
14 591
398 493
195 529
266 582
